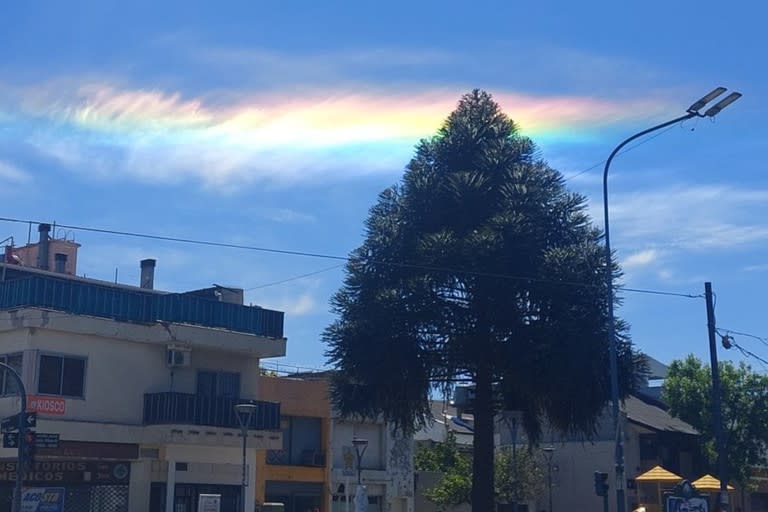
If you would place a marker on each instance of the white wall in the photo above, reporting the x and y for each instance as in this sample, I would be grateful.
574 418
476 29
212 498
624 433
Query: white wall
390 453
119 372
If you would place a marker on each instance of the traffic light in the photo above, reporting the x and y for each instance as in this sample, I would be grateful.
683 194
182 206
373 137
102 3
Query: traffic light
28 450
601 483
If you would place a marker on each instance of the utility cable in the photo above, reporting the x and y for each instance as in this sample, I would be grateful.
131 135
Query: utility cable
630 148
749 353
415 266
745 334
295 278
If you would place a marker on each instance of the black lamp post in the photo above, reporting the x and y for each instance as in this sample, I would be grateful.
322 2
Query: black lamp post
693 111
549 452
361 496
245 413
360 446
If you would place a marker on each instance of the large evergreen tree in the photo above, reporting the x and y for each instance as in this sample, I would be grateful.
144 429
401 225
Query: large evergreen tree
480 266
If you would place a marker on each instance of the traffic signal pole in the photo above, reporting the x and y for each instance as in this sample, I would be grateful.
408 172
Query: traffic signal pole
22 436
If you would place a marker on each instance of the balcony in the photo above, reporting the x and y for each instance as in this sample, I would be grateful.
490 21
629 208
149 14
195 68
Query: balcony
79 297
188 409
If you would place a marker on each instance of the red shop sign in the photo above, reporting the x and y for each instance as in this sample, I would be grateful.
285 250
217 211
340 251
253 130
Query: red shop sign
46 405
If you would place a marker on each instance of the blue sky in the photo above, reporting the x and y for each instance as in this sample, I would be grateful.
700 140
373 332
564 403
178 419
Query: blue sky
276 124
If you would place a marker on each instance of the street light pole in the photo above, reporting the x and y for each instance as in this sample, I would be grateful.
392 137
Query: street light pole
244 413
693 111
549 452
361 496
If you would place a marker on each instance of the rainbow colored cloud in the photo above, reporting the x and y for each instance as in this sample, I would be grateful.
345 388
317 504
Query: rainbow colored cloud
162 136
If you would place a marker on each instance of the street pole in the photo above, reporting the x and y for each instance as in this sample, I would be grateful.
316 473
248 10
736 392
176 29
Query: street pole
717 420
361 494
244 412
621 502
22 436
693 111
244 481
549 452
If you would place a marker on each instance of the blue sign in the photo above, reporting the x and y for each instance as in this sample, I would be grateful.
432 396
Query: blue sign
43 499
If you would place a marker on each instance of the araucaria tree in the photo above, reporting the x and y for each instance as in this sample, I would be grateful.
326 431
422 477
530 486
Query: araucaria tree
480 266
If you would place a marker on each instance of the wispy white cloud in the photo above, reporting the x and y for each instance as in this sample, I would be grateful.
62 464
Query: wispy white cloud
10 173
640 259
304 304
286 216
691 217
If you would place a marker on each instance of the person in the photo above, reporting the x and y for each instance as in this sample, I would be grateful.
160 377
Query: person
639 509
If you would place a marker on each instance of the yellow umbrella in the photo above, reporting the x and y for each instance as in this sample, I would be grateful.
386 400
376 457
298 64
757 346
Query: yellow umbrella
659 475
709 483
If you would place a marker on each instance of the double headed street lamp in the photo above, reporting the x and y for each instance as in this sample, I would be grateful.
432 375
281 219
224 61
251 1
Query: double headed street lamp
693 111
245 413
361 495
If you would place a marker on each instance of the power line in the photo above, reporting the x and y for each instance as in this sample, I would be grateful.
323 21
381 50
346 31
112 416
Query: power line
746 334
748 353
105 231
729 341
295 278
661 292
630 148
427 268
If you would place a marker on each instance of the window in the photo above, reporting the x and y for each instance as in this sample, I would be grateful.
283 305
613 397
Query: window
649 447
218 384
61 375
7 383
302 443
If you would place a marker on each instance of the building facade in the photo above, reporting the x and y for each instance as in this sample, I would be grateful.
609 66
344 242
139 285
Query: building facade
386 467
316 468
297 474
134 389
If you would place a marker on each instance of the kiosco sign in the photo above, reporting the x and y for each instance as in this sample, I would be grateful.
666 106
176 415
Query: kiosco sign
46 405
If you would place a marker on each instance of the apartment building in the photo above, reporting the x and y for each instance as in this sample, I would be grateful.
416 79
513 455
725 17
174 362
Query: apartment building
297 474
135 387
316 468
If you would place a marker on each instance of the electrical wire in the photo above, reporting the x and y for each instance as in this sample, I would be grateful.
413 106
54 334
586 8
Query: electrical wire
427 268
751 354
745 334
726 333
625 150
295 278
661 292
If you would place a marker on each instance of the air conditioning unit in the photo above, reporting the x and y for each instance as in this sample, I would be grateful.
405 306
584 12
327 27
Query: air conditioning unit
178 357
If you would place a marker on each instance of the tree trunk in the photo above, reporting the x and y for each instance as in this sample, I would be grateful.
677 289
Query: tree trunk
482 463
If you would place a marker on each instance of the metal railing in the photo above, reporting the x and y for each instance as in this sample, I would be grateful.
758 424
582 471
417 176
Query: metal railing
170 408
82 298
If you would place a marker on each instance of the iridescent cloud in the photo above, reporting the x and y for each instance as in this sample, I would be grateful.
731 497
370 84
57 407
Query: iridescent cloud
164 136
